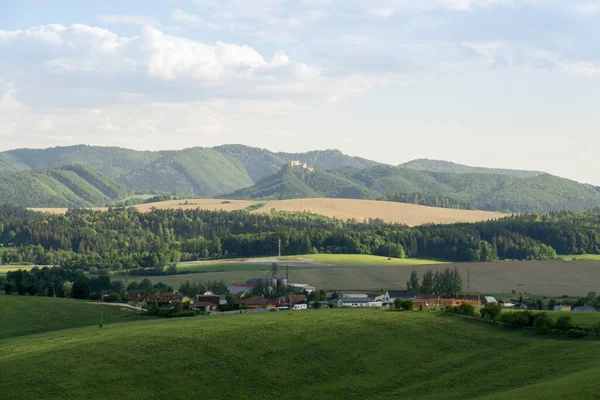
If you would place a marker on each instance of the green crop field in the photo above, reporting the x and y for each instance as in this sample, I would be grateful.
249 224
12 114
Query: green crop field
8 268
350 354
24 315
544 278
360 259
221 267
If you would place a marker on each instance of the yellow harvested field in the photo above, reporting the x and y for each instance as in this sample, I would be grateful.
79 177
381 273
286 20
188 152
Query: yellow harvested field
409 214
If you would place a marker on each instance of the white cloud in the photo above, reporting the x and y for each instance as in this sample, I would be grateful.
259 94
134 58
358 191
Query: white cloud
182 16
140 20
383 12
8 100
588 6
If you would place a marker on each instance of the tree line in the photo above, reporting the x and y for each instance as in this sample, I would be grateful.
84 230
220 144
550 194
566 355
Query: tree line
125 239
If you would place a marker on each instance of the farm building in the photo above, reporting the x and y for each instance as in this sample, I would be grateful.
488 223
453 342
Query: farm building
506 303
584 309
236 288
437 301
302 287
562 308
357 300
207 302
258 302
392 295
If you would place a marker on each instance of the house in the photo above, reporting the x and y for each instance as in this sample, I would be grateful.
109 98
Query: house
162 299
235 288
562 308
357 300
135 299
256 302
584 309
301 288
207 302
489 300
391 295
506 303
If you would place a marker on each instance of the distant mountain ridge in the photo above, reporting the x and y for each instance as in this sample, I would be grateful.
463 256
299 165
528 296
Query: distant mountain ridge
77 176
425 164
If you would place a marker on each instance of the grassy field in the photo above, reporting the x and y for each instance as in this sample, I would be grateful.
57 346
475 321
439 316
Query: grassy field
354 354
221 267
409 214
24 315
7 268
581 257
545 278
360 259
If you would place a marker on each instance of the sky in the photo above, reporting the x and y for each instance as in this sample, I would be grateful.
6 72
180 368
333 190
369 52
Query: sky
496 83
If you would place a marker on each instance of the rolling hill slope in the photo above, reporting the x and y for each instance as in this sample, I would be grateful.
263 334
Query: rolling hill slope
362 354
71 186
538 193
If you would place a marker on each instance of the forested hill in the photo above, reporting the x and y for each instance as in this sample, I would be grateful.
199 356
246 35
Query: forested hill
72 185
125 238
81 175
425 164
483 191
199 172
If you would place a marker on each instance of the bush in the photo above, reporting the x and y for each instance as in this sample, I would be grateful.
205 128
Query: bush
466 309
398 303
543 324
114 297
491 311
407 305
575 333
316 305
517 320
563 323
8 288
595 328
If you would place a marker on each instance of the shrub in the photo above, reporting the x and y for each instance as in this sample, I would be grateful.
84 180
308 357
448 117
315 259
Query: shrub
517 320
114 297
563 323
331 305
543 324
575 333
8 288
398 303
595 328
466 309
407 305
491 311
316 305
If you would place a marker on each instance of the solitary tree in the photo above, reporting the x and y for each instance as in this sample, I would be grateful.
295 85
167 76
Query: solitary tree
81 288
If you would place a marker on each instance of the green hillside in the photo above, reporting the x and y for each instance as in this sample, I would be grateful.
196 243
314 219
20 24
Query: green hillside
291 183
350 354
425 164
67 186
483 191
24 315
198 171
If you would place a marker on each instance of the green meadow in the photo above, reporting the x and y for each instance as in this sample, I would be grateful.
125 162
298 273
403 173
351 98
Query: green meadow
328 354
25 315
361 259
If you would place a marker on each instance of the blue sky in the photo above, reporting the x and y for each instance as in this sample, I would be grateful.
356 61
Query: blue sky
499 83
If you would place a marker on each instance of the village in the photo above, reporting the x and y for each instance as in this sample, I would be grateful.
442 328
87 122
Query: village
275 293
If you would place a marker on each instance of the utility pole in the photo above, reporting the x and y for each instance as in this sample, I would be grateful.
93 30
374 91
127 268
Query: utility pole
469 280
101 318
279 247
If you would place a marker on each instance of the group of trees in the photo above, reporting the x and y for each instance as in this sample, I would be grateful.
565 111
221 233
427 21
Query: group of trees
125 239
447 283
68 282
428 200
